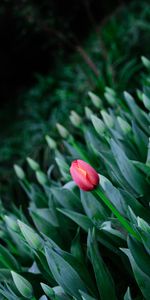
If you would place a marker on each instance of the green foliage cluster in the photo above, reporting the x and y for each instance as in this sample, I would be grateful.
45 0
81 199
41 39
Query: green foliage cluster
68 244
108 58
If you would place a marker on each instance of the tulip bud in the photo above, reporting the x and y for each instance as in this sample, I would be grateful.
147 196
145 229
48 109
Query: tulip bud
23 285
146 101
107 119
19 172
110 91
62 131
95 100
11 223
32 238
88 112
146 62
51 143
41 177
33 164
84 175
98 125
110 98
139 94
48 290
126 128
75 119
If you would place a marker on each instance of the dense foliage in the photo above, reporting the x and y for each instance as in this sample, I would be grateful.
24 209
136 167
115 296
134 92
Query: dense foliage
109 57
68 244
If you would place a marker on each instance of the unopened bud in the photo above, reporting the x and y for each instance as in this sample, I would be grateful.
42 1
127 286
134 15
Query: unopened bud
110 98
33 164
139 94
146 62
32 238
19 172
95 100
98 125
11 223
108 120
110 91
146 101
51 143
41 177
23 285
88 112
126 128
75 119
48 290
62 131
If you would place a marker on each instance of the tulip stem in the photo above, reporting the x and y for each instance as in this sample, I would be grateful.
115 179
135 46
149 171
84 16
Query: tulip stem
122 220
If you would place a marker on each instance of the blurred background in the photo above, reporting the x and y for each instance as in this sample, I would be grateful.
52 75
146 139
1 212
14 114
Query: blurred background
52 52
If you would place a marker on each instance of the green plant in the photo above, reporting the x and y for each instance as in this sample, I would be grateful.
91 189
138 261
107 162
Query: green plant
69 245
114 49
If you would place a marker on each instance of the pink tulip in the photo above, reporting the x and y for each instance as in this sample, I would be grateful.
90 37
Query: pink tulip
84 175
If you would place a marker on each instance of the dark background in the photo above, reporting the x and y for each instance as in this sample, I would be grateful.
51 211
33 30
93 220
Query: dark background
34 33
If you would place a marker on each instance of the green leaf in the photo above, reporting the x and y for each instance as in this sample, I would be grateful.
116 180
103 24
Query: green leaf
139 254
136 206
59 294
140 116
141 140
79 266
143 280
144 231
32 238
64 274
48 290
23 285
7 259
113 194
45 226
113 169
86 296
76 248
116 234
145 169
143 225
5 275
92 207
127 295
7 292
66 198
128 170
146 101
103 277
80 219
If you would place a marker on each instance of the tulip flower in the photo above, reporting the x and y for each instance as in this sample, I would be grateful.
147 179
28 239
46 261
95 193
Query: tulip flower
84 175
87 179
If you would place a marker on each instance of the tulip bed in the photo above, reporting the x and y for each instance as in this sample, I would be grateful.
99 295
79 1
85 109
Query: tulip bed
69 244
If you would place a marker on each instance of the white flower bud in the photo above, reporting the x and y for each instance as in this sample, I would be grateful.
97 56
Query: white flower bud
51 143
75 119
95 100
62 131
33 164
19 172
